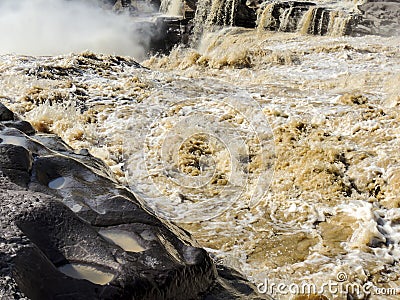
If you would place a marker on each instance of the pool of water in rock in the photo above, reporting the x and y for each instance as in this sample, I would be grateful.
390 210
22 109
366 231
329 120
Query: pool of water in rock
59 183
89 273
124 239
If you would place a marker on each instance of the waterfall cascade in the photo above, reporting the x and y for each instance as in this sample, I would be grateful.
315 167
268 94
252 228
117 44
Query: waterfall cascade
303 17
172 7
286 16
212 13
188 20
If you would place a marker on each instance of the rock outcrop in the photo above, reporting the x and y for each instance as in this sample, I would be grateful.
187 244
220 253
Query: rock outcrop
283 16
378 18
70 231
244 15
307 17
372 17
224 12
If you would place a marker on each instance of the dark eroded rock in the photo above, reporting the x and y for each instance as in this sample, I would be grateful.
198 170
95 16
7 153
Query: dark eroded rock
16 163
164 267
379 18
70 231
5 113
22 126
15 157
245 16
286 15
373 17
53 142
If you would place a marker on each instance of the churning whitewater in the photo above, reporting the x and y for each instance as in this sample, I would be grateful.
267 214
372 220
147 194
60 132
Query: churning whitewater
277 151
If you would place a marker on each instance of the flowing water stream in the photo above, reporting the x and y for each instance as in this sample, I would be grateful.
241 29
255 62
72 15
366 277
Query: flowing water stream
277 151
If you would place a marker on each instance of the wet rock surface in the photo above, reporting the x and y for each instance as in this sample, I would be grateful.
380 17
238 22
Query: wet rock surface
285 16
5 113
379 18
307 17
70 231
244 16
372 17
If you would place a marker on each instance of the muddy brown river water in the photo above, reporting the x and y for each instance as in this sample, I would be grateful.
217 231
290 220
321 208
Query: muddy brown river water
278 152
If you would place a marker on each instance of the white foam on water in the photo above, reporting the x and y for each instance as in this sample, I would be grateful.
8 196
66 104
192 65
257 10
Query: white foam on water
333 200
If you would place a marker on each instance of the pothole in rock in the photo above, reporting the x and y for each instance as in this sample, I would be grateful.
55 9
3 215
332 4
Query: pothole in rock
59 183
123 239
90 273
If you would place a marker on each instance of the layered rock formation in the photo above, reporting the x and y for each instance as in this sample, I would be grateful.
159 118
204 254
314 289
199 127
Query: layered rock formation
307 17
70 231
372 17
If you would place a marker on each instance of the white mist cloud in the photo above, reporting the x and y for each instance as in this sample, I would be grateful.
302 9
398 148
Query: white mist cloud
52 27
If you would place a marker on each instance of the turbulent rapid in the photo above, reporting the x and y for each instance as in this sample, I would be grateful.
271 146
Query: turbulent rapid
277 151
